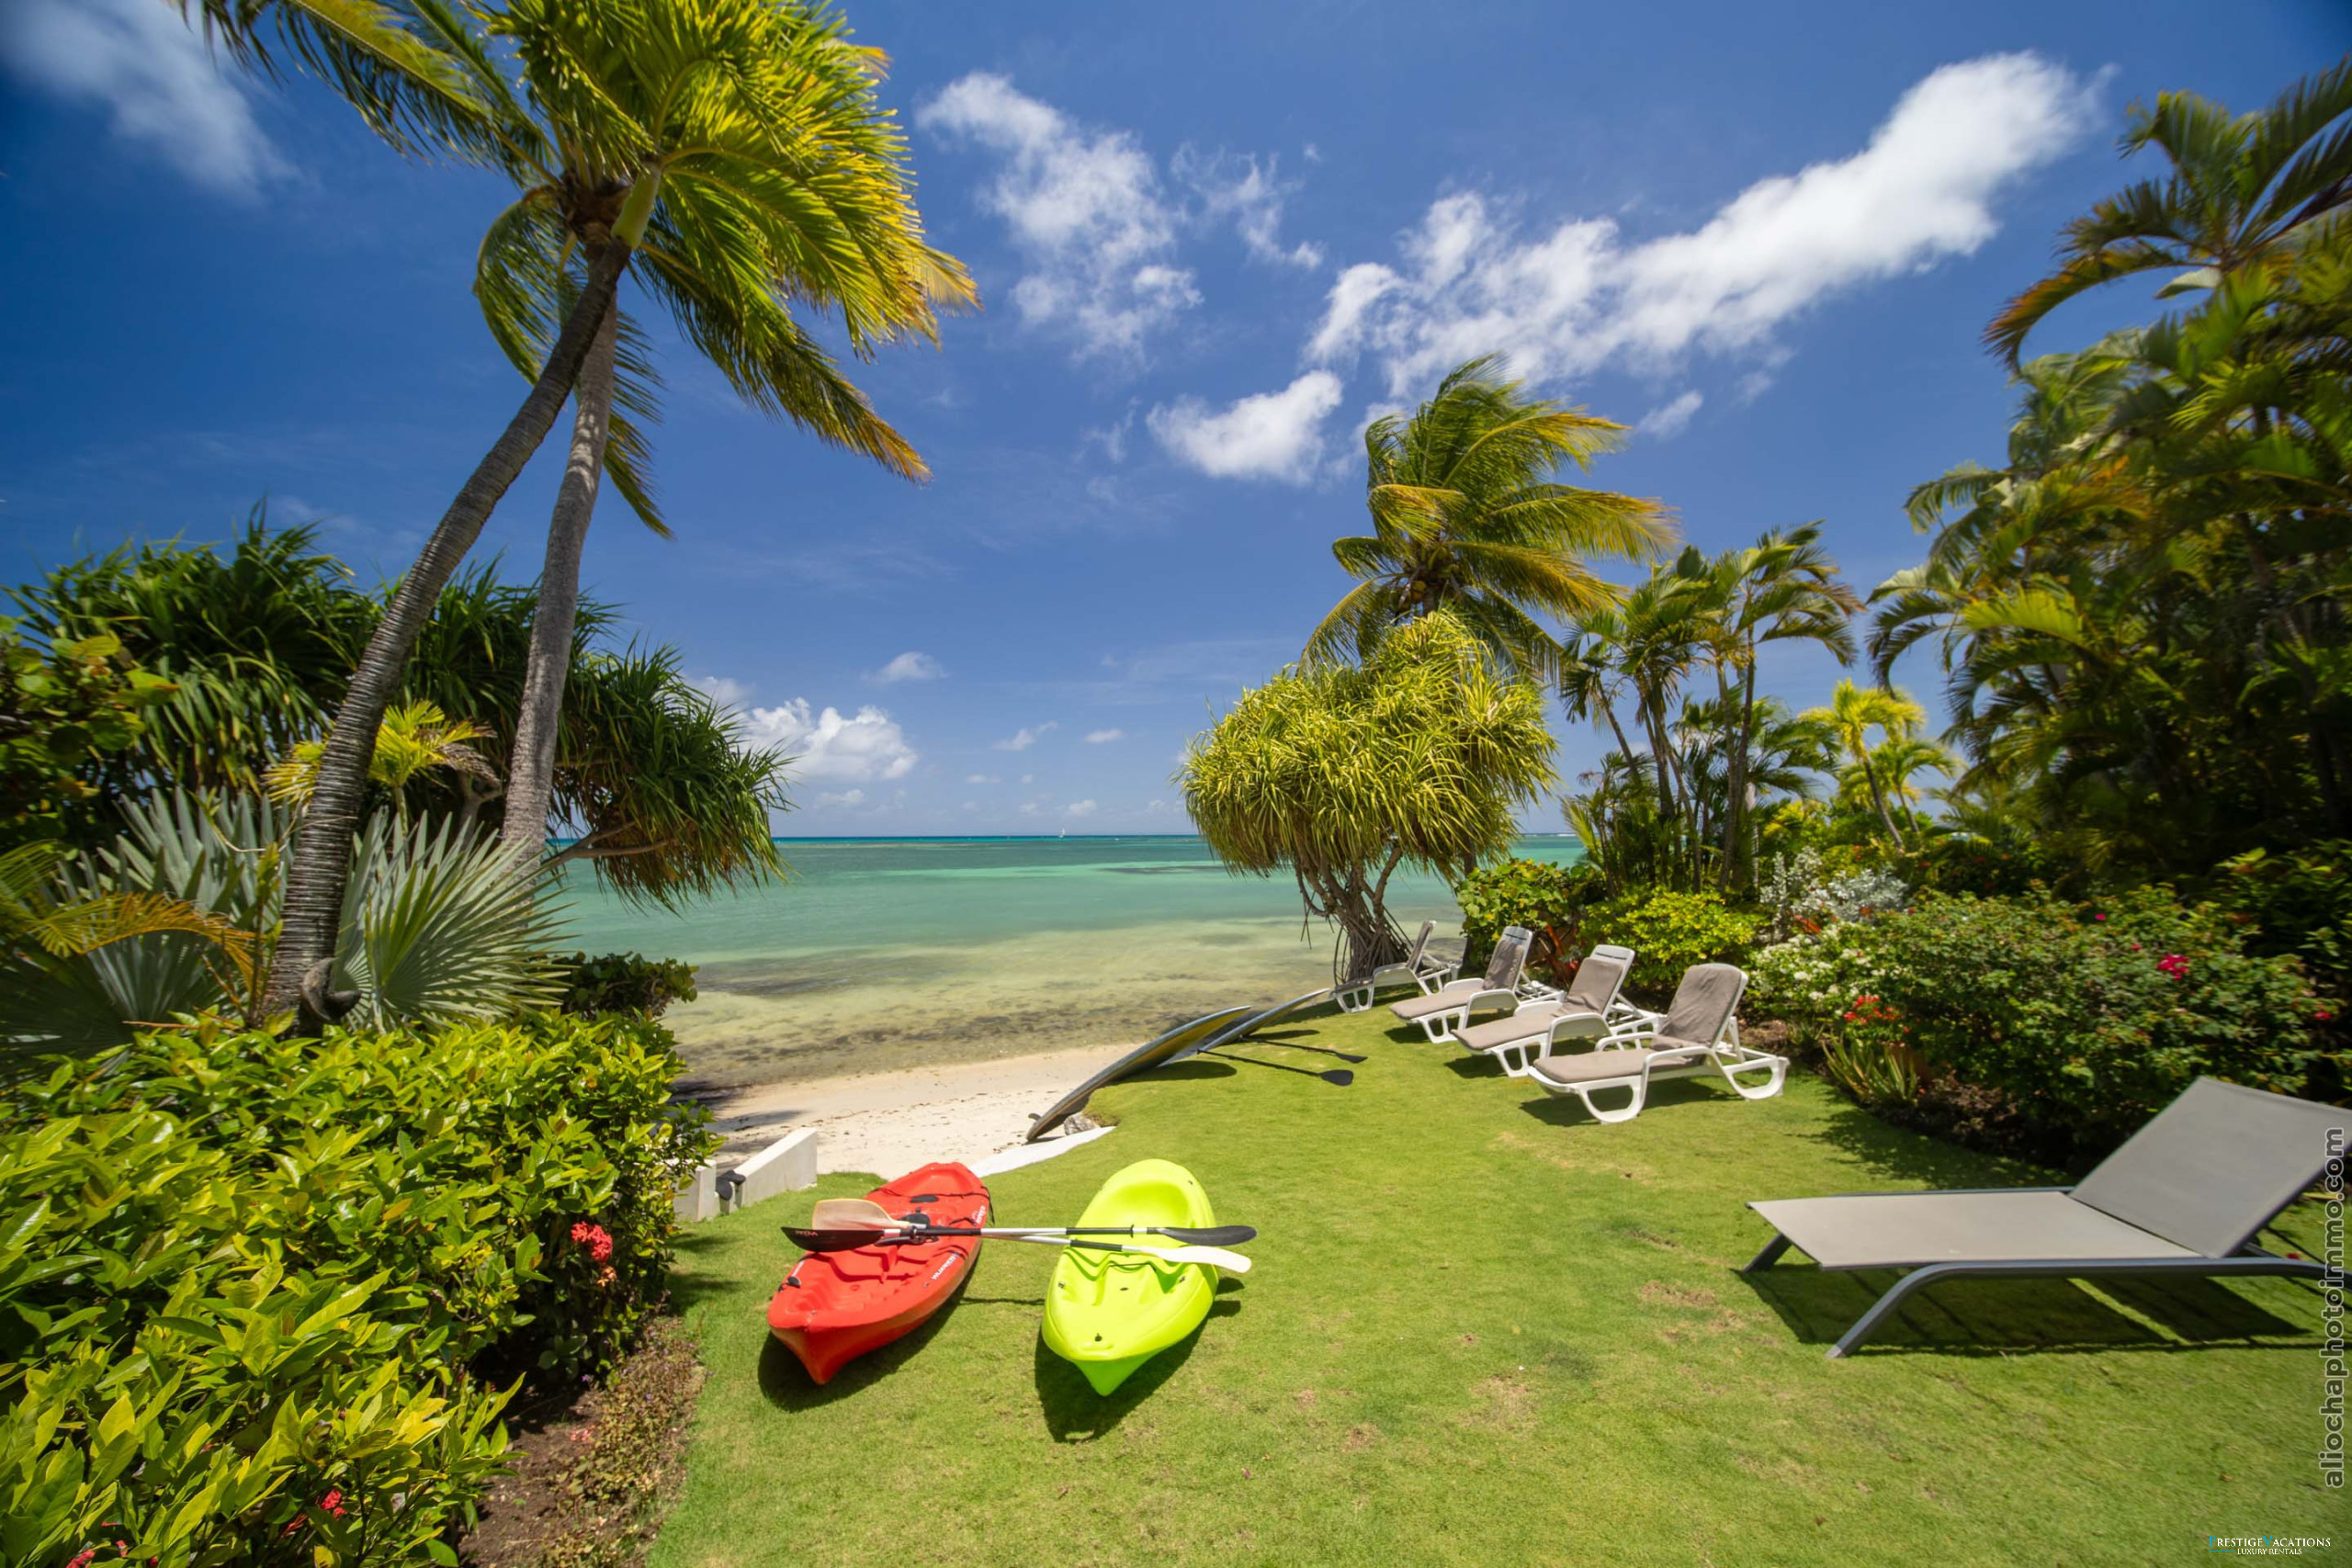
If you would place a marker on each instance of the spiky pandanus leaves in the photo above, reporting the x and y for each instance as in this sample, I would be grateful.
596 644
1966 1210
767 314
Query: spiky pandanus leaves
1466 517
2242 194
1341 773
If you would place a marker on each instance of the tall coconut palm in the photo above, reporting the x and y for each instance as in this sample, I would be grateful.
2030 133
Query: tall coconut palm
736 143
2245 191
1465 516
1853 713
801 194
1783 588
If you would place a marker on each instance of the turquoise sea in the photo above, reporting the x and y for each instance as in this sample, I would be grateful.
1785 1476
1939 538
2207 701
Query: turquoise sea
890 953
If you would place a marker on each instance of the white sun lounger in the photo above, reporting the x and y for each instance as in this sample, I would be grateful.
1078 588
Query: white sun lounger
2185 1196
1592 1008
1419 968
1698 1034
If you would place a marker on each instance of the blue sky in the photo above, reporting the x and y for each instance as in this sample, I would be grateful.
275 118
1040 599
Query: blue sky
1212 241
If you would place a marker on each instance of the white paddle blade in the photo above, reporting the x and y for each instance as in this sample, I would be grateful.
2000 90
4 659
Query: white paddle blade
852 1214
1215 1257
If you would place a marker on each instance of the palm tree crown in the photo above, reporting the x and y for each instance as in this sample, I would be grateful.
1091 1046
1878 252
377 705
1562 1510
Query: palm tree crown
1465 517
2245 190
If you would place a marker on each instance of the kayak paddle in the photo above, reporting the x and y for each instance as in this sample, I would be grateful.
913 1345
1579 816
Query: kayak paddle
1323 1050
815 1240
865 1215
1339 1075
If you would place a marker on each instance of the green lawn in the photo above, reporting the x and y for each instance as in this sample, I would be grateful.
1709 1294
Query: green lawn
1483 1328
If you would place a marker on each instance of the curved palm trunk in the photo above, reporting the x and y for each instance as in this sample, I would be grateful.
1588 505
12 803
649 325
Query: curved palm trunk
320 864
530 772
1735 780
1878 798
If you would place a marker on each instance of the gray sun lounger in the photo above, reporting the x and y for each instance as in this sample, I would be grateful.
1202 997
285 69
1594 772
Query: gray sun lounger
1419 968
2186 1195
1591 1008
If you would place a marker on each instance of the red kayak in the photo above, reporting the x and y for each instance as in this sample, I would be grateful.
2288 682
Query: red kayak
835 1306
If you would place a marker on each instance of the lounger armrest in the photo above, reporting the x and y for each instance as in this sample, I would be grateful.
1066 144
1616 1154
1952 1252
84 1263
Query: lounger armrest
1536 991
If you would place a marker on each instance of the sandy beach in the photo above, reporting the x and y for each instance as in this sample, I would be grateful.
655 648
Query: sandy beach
889 1123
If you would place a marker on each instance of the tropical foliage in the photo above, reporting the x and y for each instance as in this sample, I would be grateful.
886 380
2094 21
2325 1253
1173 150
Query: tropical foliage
434 927
624 982
2069 1025
1466 517
1541 896
66 710
259 1297
254 641
1339 775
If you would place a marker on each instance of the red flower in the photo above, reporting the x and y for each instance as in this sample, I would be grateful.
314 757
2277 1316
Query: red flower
82 1559
2322 1016
2173 965
2101 919
594 1237
333 1502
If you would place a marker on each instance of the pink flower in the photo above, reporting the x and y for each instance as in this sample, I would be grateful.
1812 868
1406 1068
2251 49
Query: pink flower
2101 919
2173 965
596 1238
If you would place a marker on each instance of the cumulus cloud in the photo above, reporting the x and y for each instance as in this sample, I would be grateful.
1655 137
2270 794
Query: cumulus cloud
1669 417
846 797
910 667
828 745
1087 207
1080 808
1562 302
1104 736
1234 186
1022 739
982 779
1267 435
727 692
152 72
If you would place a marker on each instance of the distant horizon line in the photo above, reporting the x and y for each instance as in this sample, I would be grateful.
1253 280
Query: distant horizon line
975 837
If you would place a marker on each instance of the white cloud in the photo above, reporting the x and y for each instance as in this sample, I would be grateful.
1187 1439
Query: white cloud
910 667
982 779
156 79
1024 738
1669 419
1086 206
1029 808
846 797
727 692
1564 302
1028 778
1104 736
1080 808
1234 186
1157 806
1268 435
827 745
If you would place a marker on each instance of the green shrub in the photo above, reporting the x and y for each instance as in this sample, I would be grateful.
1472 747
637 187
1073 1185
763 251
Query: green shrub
624 982
2298 903
1671 932
253 1293
2085 1021
1546 898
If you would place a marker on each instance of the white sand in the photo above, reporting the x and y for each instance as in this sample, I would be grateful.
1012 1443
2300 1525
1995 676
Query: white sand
890 1122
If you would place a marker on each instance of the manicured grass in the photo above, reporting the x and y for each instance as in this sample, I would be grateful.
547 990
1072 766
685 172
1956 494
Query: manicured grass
1483 1328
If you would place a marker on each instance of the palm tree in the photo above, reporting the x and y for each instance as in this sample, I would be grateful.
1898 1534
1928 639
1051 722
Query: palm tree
1465 517
748 219
1853 712
2245 191
1782 588
701 124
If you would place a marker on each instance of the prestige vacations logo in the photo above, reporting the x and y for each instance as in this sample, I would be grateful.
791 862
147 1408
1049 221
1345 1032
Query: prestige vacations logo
2266 1545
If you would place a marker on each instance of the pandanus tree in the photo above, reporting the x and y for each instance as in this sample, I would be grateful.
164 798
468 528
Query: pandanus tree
737 145
1340 773
1466 517
2245 192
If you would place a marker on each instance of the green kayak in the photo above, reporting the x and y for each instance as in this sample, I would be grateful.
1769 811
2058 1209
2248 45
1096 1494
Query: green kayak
1108 1312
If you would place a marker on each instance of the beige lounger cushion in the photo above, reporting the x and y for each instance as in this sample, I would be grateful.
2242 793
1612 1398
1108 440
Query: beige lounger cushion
1532 1020
1903 1230
1596 1067
1414 1008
